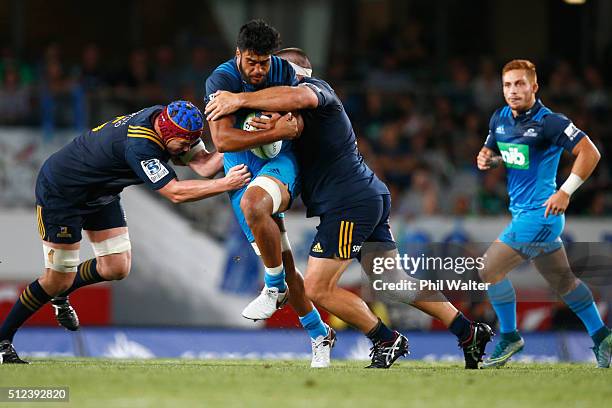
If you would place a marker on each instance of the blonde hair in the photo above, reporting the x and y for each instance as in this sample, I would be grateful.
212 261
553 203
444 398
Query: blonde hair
526 65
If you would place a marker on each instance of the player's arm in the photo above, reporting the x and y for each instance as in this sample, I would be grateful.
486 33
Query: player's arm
201 161
587 157
275 99
560 131
488 157
229 139
193 190
147 161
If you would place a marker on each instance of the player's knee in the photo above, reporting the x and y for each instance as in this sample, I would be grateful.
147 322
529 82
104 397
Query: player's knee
254 208
315 289
114 267
486 275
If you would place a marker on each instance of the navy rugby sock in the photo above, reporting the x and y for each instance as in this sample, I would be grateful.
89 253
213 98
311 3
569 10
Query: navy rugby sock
461 327
32 298
381 333
87 274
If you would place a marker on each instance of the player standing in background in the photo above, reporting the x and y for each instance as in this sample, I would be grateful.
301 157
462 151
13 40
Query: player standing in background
78 188
354 208
259 206
529 139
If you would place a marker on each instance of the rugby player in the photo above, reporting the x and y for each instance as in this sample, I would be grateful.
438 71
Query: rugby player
529 138
259 206
78 188
353 206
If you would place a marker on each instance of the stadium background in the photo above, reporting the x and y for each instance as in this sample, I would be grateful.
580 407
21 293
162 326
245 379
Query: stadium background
419 80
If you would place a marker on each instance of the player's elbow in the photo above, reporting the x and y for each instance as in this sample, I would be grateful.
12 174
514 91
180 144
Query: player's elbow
222 147
176 199
219 141
172 191
307 99
221 144
596 155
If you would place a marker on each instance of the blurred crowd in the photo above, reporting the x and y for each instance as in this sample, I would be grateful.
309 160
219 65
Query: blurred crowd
419 124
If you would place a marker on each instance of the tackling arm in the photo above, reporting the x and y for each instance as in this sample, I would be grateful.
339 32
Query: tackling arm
206 164
193 190
229 139
275 99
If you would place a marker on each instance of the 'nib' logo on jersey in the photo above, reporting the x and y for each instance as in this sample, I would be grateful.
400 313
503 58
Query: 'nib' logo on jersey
516 156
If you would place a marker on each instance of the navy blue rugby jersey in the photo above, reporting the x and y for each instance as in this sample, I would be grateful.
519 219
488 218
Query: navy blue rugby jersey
333 171
97 165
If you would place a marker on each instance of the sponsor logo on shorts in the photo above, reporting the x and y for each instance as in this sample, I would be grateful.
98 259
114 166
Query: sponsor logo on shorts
516 156
64 233
154 169
356 248
317 248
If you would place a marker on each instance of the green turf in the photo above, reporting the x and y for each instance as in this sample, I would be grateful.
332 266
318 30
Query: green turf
158 383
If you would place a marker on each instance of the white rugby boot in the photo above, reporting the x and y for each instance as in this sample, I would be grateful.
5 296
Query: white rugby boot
264 305
321 349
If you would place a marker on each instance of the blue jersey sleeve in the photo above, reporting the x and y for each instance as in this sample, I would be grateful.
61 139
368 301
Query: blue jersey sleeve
149 163
221 81
326 95
491 142
560 131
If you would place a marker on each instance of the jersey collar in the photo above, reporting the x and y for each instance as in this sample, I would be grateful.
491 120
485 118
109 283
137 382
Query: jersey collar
528 114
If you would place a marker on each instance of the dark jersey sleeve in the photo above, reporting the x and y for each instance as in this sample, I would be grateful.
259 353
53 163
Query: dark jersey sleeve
326 95
220 81
560 131
149 163
491 142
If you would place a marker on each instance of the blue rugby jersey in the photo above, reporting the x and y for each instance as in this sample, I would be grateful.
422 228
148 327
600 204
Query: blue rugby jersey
531 145
97 165
226 77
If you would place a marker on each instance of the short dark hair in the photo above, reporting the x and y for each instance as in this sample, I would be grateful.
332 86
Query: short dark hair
295 55
259 37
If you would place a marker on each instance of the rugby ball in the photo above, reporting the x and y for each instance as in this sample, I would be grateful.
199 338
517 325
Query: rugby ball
267 151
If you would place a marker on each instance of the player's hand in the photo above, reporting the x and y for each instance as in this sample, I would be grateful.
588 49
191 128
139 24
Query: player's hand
265 122
287 126
486 160
222 103
556 203
237 177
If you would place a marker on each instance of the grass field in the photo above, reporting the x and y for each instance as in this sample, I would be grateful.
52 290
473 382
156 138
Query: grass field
158 383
